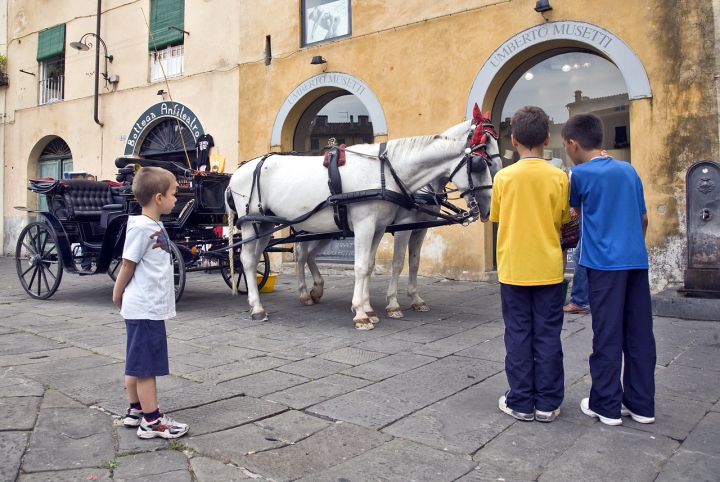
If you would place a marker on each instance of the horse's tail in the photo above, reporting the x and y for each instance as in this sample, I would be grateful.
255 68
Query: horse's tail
230 210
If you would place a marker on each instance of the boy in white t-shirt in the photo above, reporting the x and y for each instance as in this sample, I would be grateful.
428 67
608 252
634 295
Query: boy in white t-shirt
144 292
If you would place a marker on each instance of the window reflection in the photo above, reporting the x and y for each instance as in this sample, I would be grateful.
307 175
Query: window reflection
564 85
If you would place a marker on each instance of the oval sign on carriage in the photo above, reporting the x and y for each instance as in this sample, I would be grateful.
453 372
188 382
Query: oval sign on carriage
156 113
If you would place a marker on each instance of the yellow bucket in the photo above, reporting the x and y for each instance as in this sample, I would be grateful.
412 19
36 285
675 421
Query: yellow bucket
269 284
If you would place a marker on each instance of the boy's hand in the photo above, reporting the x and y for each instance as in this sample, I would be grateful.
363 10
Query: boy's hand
117 300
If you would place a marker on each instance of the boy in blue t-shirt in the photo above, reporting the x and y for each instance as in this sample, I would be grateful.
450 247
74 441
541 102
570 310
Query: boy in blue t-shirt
144 292
613 223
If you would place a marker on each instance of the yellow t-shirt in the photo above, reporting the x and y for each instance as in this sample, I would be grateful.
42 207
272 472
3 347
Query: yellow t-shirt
529 203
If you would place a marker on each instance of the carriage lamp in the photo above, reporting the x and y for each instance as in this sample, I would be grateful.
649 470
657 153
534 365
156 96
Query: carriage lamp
542 6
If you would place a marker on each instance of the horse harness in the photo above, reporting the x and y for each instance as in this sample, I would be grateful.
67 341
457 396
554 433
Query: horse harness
476 159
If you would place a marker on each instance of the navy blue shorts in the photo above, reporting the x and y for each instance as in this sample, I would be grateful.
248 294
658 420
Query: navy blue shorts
146 354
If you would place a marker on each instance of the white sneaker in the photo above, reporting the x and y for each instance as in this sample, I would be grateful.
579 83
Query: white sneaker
525 417
625 412
164 427
585 407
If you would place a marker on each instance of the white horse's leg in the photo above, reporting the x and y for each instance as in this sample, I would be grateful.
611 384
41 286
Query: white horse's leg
400 245
249 256
415 245
364 234
318 282
302 251
366 287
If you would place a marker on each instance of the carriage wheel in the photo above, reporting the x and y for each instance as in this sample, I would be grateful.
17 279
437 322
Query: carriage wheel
114 268
37 260
263 269
178 270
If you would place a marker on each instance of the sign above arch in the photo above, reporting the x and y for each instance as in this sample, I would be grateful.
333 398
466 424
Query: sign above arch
156 113
593 36
340 80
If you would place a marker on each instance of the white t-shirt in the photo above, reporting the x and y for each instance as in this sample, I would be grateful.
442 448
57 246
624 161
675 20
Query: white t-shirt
150 295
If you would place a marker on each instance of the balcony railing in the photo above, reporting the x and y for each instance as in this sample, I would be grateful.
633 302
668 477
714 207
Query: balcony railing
51 89
172 60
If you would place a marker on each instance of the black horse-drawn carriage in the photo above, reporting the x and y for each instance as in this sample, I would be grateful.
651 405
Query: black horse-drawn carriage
83 229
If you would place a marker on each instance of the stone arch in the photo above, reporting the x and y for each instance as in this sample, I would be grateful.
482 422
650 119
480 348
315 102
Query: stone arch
32 165
311 90
553 35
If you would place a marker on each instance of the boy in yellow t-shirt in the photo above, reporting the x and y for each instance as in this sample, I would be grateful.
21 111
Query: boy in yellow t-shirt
530 203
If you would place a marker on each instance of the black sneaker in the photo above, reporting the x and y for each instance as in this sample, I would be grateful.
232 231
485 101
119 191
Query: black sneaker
132 417
164 427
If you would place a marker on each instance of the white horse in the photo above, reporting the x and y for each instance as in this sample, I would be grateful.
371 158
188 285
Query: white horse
404 241
290 186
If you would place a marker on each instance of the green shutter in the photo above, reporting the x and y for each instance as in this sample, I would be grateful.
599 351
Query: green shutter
51 42
164 14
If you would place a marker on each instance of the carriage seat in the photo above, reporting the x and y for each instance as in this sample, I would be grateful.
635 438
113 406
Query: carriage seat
87 200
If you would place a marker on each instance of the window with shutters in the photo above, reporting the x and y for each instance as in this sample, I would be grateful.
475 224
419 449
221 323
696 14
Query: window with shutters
51 60
167 20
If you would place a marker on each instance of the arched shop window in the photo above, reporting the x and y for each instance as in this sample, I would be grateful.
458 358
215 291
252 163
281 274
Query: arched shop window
164 142
563 83
54 160
336 115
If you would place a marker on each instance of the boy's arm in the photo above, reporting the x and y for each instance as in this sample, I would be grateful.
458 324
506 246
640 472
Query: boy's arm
126 273
644 224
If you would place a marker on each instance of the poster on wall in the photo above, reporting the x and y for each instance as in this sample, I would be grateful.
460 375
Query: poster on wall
325 20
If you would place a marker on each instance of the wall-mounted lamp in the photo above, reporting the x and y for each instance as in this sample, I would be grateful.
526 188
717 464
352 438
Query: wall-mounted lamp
161 92
542 6
317 60
82 45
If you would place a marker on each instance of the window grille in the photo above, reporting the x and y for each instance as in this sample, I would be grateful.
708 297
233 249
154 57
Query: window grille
52 80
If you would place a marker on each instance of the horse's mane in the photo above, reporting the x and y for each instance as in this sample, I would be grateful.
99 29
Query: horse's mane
412 146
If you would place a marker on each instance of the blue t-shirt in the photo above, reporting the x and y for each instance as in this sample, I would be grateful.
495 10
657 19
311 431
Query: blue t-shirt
611 195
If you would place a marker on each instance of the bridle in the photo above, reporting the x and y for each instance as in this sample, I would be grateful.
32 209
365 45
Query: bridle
476 159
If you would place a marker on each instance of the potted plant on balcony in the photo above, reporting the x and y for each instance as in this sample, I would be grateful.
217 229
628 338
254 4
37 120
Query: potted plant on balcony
53 73
3 69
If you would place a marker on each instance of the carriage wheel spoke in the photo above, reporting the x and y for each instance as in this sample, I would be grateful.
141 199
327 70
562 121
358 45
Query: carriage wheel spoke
49 271
45 238
32 278
32 251
26 271
44 278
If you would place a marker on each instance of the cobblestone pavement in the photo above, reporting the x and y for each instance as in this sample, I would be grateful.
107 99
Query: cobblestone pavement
306 396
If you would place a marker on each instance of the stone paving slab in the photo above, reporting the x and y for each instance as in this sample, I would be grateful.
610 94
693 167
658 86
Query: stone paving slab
452 344
226 414
262 383
435 381
674 417
19 413
687 465
706 437
211 470
365 408
152 464
488 475
128 441
42 356
390 346
55 399
202 360
327 448
491 350
700 356
73 365
12 448
19 343
526 449
399 461
235 369
302 396
687 382
17 386
611 453
68 438
389 366
456 424
274 432
352 356
427 333
314 368
102 475
313 348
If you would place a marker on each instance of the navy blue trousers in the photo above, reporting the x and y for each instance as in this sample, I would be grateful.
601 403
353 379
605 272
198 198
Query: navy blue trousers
534 361
622 325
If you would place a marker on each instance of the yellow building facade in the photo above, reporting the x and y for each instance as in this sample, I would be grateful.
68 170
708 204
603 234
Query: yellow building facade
416 67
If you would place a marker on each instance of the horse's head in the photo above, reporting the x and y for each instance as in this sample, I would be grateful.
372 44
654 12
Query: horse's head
474 175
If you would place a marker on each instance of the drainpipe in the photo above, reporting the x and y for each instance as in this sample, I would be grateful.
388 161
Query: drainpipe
97 62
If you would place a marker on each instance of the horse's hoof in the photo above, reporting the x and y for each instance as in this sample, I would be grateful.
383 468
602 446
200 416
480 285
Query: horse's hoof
394 313
420 307
261 316
307 301
372 317
363 324
315 297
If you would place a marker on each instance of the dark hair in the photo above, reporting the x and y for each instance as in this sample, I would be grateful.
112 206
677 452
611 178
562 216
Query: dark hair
530 126
586 129
150 181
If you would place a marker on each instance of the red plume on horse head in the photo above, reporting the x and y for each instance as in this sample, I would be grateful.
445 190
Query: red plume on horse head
480 134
